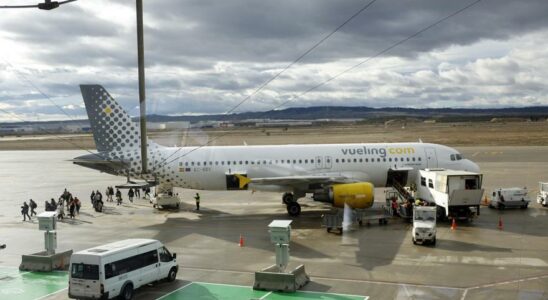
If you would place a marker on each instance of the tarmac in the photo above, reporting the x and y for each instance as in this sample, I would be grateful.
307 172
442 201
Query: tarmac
475 261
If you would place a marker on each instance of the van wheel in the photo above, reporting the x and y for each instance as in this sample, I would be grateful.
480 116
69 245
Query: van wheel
172 275
127 292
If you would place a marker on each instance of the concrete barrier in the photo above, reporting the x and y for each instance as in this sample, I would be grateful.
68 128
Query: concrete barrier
271 279
42 262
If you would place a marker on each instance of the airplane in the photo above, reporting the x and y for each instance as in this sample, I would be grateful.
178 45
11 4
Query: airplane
338 174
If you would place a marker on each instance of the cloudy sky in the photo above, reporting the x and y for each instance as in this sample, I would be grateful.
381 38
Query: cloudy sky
206 56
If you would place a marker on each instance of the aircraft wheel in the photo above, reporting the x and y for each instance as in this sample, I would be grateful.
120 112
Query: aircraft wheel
294 209
288 198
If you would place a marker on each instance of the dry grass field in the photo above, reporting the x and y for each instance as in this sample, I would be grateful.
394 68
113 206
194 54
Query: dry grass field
451 134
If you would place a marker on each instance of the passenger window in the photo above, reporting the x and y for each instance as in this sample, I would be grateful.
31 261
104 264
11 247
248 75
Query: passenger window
342 160
223 163
384 159
390 159
378 160
336 160
306 161
361 159
413 159
395 159
198 163
228 163
408 159
300 161
186 164
192 163
420 158
294 161
366 160
246 162
216 163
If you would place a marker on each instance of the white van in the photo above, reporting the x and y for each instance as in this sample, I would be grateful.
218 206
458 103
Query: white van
118 268
510 197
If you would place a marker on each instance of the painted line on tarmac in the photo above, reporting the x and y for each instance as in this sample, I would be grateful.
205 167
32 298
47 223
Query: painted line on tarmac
176 290
50 294
335 294
339 279
266 295
501 283
390 283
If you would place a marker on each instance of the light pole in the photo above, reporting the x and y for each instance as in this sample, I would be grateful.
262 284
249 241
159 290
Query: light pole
142 95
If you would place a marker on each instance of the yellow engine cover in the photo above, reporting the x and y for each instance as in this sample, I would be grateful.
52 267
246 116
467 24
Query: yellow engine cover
355 195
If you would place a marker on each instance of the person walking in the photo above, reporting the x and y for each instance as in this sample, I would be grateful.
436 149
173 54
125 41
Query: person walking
111 194
72 208
147 192
53 205
107 193
33 206
77 205
138 193
118 197
130 194
60 210
197 198
25 211
92 197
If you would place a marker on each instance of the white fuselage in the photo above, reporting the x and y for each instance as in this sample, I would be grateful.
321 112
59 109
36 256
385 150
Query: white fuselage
206 168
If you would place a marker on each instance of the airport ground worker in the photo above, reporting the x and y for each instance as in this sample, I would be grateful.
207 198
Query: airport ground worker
25 211
197 198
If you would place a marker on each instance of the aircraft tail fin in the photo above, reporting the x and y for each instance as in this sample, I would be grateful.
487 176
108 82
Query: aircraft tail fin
112 127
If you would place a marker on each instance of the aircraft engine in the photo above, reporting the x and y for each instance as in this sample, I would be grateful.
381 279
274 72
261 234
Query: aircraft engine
356 195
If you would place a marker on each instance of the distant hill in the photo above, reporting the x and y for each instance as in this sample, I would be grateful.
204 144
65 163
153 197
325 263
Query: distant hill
366 114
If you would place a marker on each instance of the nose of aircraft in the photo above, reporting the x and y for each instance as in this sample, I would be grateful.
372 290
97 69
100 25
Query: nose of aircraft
472 166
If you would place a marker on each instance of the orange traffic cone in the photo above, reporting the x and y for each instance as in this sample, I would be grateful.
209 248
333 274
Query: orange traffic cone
500 223
453 224
241 243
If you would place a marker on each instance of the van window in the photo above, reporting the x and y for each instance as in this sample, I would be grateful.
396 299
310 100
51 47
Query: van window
85 271
165 256
423 181
129 264
430 184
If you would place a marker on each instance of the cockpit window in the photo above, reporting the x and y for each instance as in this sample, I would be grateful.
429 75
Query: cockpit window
456 156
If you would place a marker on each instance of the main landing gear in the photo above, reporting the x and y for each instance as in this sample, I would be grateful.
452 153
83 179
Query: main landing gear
293 207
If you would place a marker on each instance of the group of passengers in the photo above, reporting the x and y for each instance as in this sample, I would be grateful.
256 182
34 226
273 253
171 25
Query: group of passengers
72 203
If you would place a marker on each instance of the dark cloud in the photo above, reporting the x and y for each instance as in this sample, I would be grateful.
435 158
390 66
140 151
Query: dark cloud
206 56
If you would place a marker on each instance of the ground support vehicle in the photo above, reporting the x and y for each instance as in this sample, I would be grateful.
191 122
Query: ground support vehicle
542 196
424 225
455 193
166 200
117 269
346 217
509 198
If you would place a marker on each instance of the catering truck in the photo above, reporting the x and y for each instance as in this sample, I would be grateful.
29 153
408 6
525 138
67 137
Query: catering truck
455 193
117 269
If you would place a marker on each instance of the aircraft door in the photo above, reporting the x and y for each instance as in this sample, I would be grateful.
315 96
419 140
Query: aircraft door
328 162
431 159
319 162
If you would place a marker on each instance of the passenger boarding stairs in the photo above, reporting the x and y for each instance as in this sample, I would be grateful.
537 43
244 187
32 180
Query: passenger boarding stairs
404 194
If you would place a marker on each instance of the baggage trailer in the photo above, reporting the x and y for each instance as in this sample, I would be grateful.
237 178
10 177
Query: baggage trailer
510 198
542 196
335 221
454 192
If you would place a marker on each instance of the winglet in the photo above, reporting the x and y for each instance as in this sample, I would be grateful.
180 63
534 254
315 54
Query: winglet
243 180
